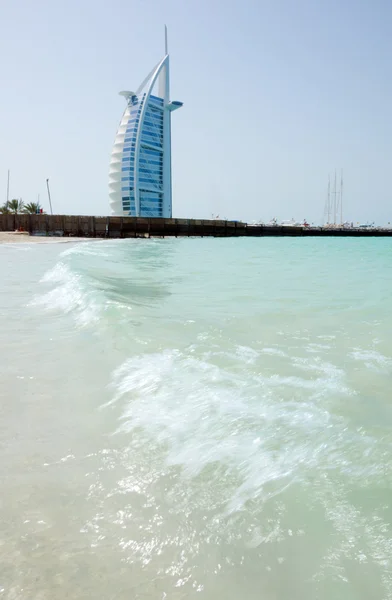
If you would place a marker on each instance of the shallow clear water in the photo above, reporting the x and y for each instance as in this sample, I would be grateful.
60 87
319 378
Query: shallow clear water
201 418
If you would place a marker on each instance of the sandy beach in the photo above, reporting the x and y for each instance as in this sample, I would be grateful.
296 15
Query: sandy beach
11 237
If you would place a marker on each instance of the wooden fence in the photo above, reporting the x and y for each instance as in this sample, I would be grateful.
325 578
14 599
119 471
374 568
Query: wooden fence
129 227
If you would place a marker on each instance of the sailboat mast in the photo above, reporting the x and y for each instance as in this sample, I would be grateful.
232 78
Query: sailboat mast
329 201
334 201
341 197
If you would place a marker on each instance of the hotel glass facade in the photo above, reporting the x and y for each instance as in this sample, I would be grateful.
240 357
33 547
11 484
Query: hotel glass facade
140 167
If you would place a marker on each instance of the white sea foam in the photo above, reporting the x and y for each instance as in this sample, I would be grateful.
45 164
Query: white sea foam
273 351
372 359
68 295
94 248
206 415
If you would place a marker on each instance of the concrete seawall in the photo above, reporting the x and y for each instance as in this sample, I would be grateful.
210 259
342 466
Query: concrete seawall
130 227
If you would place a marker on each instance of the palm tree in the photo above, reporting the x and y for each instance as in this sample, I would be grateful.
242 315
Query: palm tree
15 206
5 209
32 208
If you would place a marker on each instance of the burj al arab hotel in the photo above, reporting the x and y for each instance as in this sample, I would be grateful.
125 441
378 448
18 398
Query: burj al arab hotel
140 167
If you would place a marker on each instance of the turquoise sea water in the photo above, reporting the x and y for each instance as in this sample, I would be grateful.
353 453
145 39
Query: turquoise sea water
196 418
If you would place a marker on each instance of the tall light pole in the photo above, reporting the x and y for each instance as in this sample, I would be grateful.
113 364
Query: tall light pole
8 186
50 201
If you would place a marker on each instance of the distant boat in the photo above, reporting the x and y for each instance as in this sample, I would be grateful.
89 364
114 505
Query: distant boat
367 225
291 223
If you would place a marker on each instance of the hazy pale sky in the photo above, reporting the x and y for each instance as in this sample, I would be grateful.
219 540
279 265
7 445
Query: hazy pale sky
277 93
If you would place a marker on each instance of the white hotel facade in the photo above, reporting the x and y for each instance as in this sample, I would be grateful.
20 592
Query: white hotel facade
140 181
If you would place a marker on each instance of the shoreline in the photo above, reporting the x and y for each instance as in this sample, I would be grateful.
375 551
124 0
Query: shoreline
11 237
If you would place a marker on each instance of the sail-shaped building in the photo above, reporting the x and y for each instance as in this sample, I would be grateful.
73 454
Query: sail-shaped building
140 166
